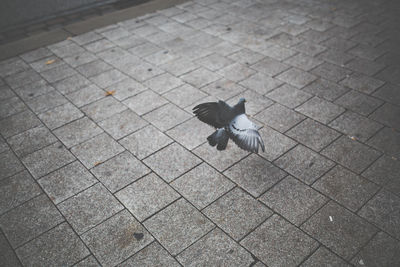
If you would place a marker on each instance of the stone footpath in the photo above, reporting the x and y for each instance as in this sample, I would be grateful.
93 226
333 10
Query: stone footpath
103 163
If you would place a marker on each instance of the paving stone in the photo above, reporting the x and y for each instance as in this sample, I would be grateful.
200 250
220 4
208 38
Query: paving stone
335 56
58 247
115 33
260 83
126 88
152 255
71 84
161 57
278 243
103 109
96 150
60 115
390 74
33 90
67 50
323 256
320 110
3 145
325 89
224 48
359 102
5 91
339 43
383 210
236 72
86 95
144 102
7 257
108 78
93 68
30 220
331 72
362 83
387 114
289 96
184 95
200 77
216 249
278 52
166 117
43 64
147 196
254 174
31 140
183 161
99 45
303 62
178 226
382 250
11 106
144 142
366 52
293 200
304 164
214 62
89 208
86 38
384 172
163 83
36 54
270 66
246 56
12 66
223 89
357 126
88 262
345 234
58 73
346 188
309 48
279 117
112 245
365 66
389 93
45 102
22 78
17 189
179 66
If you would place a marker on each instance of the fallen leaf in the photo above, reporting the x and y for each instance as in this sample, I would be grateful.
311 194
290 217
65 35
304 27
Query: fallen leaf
108 93
51 61
97 163
352 138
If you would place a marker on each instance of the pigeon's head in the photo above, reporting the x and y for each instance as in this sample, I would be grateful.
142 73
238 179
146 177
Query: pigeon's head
242 100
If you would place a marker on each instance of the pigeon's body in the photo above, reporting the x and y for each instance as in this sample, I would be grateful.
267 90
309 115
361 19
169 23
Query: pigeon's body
231 122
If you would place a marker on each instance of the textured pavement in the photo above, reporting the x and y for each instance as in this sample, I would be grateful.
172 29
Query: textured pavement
102 162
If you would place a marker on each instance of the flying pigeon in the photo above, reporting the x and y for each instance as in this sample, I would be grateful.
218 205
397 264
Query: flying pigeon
230 122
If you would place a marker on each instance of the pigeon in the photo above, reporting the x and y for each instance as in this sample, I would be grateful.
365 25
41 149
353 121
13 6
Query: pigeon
230 122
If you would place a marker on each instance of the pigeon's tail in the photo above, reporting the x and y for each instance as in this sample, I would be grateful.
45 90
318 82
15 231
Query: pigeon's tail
220 138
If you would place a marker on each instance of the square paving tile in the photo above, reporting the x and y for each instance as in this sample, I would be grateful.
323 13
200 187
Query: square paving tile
146 141
72 84
214 62
325 89
163 83
60 115
293 200
88 262
276 144
279 117
122 124
86 95
66 182
383 210
346 188
339 229
270 66
47 159
147 196
223 89
200 77
103 109
120 171
58 247
289 96
323 257
77 132
320 110
261 83
220 160
331 72
179 66
202 185
254 174
171 161
278 243
237 213
18 123
359 102
304 164
47 101
178 226
96 150
11 66
33 90
112 245
16 190
382 250
89 208
388 114
296 77
184 95
389 93
309 48
22 78
58 73
355 125
93 68
152 255
143 71
11 106
313 134
215 249
30 220
236 72
9 164
7 256
166 117
144 102
351 154
362 83
126 88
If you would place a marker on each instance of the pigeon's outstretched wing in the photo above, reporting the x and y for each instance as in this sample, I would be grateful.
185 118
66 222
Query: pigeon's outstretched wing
217 114
245 134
